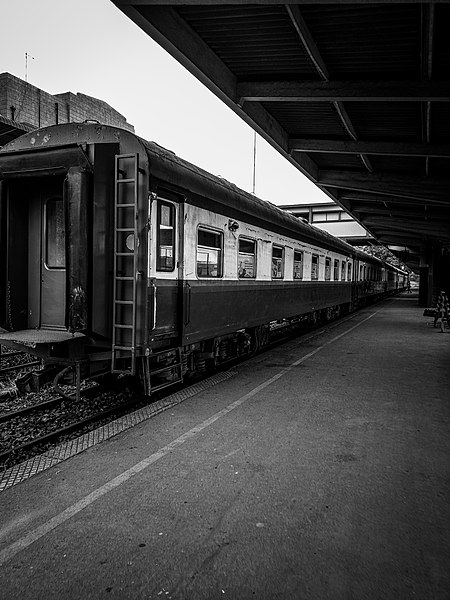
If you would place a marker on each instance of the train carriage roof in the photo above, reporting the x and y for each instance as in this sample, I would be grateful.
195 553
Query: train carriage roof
167 165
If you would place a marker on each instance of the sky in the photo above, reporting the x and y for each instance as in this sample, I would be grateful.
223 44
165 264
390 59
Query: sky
89 46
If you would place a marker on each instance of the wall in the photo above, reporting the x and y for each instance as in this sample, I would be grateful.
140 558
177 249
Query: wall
25 103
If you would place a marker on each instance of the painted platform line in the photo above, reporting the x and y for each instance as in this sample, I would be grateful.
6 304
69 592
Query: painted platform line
52 457
22 543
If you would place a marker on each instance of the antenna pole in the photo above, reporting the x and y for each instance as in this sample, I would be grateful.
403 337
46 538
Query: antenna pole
254 164
26 64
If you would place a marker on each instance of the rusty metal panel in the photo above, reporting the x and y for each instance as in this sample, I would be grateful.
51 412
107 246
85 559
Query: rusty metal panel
41 162
33 337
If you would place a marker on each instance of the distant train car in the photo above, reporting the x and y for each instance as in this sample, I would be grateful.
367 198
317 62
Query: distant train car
117 256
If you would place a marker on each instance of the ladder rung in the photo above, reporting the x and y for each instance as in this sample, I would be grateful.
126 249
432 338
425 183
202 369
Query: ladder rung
128 348
164 385
125 199
160 352
176 365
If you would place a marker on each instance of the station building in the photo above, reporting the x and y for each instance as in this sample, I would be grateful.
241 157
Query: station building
24 107
333 219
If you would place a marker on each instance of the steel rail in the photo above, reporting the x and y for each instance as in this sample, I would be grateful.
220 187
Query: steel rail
18 367
48 437
40 406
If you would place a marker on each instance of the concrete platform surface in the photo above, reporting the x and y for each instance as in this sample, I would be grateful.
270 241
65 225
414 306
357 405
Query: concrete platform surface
319 471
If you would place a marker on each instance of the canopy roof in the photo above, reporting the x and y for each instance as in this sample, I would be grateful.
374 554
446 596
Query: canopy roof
355 94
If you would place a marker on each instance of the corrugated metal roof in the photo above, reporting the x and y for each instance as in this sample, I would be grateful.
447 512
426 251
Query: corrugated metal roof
253 41
367 41
385 121
357 93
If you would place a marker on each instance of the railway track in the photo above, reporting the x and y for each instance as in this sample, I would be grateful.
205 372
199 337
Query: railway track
13 361
30 430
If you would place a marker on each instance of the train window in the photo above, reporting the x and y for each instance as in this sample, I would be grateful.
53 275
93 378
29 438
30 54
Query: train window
336 270
165 237
55 234
298 264
247 258
349 272
209 253
315 267
277 262
343 271
327 268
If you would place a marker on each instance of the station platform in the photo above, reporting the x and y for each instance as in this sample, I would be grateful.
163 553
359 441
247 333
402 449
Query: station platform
317 470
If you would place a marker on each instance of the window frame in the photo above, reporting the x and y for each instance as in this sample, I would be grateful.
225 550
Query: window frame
161 201
336 269
316 277
327 273
278 247
46 253
220 267
255 263
302 262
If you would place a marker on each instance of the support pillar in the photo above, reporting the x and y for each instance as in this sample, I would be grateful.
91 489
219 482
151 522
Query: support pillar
434 272
426 275
76 195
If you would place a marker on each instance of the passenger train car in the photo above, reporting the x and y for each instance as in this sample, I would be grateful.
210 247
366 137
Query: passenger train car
119 257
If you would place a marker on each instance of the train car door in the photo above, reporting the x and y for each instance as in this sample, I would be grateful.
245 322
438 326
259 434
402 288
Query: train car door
47 261
164 267
53 271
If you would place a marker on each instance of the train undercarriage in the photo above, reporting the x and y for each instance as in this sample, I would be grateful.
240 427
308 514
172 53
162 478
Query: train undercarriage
73 358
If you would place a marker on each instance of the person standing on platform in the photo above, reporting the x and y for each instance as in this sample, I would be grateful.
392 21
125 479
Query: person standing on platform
442 310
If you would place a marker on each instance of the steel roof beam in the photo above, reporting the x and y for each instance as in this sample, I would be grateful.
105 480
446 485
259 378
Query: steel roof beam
352 196
308 41
413 212
407 226
312 51
426 190
427 67
411 244
267 2
343 91
375 148
169 30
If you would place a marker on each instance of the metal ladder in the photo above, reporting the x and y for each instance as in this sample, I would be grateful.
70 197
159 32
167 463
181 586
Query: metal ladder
159 377
125 263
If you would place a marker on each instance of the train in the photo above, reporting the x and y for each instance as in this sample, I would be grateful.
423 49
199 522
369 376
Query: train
118 258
